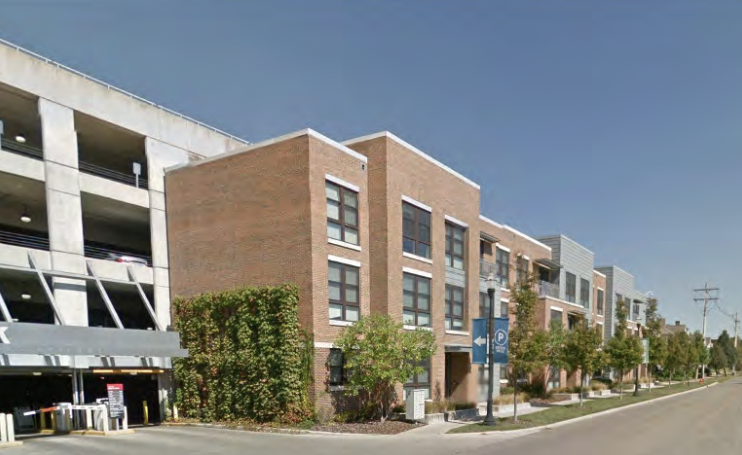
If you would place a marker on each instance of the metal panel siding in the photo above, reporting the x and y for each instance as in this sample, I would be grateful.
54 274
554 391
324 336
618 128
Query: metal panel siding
575 259
456 277
617 281
608 272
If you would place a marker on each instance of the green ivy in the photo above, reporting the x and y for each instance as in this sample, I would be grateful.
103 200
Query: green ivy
248 357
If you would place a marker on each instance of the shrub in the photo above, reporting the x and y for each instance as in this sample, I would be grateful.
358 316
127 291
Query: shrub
509 399
249 359
507 390
598 386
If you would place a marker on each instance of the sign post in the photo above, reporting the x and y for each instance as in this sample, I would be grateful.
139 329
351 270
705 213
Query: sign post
116 402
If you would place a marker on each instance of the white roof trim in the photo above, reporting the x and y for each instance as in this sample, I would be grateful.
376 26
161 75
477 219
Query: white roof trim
456 221
414 150
503 299
417 272
527 237
599 274
487 220
305 132
556 308
345 261
342 183
418 204
601 289
503 248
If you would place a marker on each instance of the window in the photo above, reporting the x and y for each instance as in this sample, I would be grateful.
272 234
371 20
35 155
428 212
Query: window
619 298
556 315
421 380
454 246
484 305
416 300
601 299
503 266
571 288
554 378
522 270
454 308
342 213
343 289
504 372
584 292
504 309
336 364
416 230
636 311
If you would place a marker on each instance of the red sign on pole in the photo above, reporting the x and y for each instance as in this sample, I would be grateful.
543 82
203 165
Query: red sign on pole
116 400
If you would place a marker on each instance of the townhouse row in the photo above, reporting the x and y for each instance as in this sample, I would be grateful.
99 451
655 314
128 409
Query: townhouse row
374 225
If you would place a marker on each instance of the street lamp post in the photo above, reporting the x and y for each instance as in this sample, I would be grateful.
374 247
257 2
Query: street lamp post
489 420
636 369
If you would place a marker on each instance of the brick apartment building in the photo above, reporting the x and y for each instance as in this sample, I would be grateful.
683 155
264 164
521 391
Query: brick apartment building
371 225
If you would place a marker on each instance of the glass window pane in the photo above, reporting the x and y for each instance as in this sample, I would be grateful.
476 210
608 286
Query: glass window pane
424 233
332 191
504 309
351 276
408 246
458 309
423 286
351 217
423 320
448 244
333 210
458 234
350 198
423 250
424 217
409 282
408 228
408 318
427 392
334 271
458 324
448 323
351 294
424 377
351 236
336 312
458 249
458 295
458 263
408 211
449 259
334 291
351 313
409 300
333 230
423 302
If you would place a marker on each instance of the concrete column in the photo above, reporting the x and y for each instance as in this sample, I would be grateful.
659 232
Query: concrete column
159 157
165 393
64 209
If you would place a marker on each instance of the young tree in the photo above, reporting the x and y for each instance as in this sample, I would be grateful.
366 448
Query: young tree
624 351
718 358
696 353
675 357
582 351
657 342
555 345
527 344
378 355
730 352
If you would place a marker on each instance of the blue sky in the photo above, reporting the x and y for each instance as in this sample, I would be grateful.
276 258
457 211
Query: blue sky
617 123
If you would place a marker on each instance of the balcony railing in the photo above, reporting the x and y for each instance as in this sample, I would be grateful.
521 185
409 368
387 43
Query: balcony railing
21 149
24 240
128 179
546 289
486 268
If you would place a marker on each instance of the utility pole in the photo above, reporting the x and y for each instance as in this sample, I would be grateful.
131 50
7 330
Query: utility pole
706 297
736 323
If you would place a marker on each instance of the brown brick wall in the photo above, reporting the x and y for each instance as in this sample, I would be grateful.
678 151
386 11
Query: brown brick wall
243 220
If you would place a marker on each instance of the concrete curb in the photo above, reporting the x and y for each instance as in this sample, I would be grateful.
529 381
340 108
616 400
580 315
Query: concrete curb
276 430
526 431
10 445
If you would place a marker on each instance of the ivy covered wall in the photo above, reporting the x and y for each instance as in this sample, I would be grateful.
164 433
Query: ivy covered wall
248 356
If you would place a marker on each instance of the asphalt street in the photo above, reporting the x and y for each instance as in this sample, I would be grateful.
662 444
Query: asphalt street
707 421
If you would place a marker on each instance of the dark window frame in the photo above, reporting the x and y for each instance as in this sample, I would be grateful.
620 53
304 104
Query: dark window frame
451 243
554 312
450 303
522 269
584 292
484 303
572 287
343 287
336 366
415 297
414 381
504 308
415 237
601 302
503 267
343 207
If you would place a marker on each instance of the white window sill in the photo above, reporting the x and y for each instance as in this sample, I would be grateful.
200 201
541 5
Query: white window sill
350 246
414 327
457 332
336 388
416 257
341 323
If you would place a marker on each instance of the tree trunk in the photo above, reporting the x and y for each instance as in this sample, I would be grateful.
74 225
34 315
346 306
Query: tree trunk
672 374
515 399
620 385
649 376
582 385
